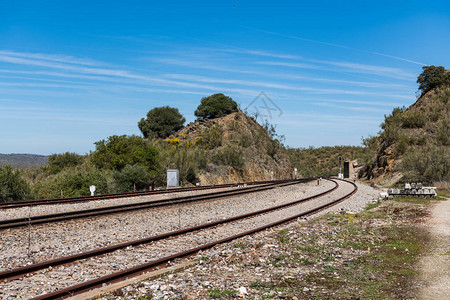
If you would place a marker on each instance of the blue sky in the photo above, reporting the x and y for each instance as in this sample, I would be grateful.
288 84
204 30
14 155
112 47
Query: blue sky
75 72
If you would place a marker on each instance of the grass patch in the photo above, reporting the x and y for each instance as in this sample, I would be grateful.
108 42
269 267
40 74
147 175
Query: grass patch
239 245
386 267
218 293
369 206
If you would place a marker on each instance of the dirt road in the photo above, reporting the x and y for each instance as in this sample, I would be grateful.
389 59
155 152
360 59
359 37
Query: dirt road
435 267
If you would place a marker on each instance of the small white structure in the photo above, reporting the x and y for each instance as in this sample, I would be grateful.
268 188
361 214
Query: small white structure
92 189
173 178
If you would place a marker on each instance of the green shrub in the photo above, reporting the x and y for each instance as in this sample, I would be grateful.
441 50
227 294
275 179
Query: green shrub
212 137
12 186
118 151
426 165
189 160
161 122
402 144
432 77
215 106
73 182
57 162
412 120
229 156
130 177
443 135
389 132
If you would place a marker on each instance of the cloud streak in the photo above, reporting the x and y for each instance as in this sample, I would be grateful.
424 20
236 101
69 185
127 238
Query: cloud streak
336 45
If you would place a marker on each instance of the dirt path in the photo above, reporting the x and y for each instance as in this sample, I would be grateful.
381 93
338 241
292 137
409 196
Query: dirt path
435 267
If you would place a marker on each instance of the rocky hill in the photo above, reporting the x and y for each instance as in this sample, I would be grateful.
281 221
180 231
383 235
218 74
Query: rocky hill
233 148
414 144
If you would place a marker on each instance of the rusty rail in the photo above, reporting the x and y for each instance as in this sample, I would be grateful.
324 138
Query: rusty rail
18 204
22 222
131 272
19 272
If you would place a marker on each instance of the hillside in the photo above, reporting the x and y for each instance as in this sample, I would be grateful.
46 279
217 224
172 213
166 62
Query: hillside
324 161
23 160
414 144
228 149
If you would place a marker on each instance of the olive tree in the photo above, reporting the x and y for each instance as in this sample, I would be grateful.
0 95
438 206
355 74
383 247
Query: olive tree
432 77
161 122
215 106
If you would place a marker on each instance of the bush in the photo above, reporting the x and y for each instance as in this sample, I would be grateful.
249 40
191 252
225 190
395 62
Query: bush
402 144
229 156
443 135
215 106
57 162
130 177
189 160
426 165
390 125
12 186
118 151
161 122
412 120
73 182
212 137
432 77
275 141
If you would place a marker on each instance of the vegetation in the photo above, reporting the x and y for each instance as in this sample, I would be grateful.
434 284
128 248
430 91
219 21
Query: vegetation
229 156
432 77
12 186
161 122
73 182
215 106
118 151
131 178
428 164
212 149
324 161
57 162
415 140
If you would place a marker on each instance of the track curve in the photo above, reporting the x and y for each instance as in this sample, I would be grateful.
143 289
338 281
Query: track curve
143 268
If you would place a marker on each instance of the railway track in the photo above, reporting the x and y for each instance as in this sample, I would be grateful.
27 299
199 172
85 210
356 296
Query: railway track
56 201
162 261
65 216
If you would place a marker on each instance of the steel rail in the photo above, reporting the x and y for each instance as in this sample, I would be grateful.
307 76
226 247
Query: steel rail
18 204
64 216
131 272
19 272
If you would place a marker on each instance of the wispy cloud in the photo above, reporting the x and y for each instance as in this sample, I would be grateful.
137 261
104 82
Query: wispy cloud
336 45
280 86
53 57
344 67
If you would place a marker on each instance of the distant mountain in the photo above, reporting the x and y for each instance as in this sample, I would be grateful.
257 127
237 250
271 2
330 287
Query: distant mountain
23 160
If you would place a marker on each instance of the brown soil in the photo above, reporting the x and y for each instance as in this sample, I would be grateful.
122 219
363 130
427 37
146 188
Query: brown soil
435 267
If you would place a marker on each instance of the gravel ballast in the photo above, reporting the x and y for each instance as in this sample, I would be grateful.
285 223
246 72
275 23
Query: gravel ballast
169 219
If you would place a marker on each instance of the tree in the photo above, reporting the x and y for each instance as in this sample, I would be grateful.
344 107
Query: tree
12 186
118 151
432 77
161 122
215 106
57 162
